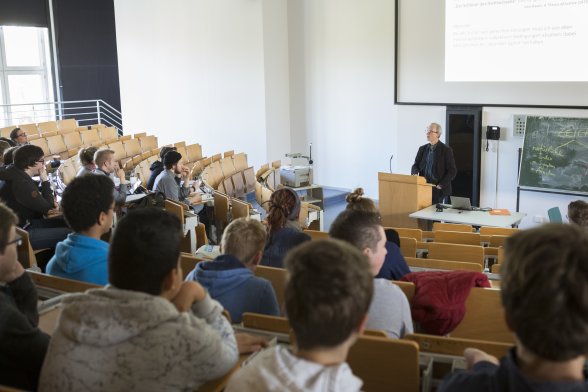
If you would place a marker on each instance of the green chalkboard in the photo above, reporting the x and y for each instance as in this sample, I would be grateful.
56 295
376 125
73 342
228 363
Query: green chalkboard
555 155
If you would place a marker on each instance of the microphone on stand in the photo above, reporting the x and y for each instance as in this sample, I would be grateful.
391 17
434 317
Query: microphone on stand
391 156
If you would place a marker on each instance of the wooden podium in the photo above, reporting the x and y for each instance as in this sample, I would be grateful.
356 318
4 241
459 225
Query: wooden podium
401 195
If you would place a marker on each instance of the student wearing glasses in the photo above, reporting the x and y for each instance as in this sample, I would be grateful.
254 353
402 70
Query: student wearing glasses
23 345
19 137
31 201
435 162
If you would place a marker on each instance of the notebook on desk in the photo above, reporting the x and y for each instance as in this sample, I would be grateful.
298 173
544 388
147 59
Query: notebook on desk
460 203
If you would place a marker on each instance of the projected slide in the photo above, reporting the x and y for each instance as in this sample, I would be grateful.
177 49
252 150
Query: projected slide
516 40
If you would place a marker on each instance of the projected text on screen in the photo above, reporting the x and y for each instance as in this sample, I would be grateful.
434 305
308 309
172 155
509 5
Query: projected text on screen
516 40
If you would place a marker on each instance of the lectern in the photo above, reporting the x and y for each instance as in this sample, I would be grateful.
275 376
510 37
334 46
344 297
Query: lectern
401 195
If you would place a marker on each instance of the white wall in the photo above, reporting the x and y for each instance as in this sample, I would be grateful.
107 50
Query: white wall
194 70
347 47
271 76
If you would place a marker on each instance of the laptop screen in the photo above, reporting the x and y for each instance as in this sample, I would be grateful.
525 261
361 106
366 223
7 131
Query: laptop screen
461 203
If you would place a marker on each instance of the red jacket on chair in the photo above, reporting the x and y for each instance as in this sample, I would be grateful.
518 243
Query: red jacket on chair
438 305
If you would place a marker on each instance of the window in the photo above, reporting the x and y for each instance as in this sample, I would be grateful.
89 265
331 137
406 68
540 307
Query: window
25 76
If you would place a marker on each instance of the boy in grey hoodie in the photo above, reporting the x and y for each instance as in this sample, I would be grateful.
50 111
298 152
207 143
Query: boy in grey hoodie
327 300
149 331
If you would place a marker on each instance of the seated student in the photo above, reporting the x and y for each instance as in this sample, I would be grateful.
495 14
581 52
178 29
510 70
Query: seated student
394 266
86 158
19 137
327 298
148 330
230 278
157 166
88 207
284 231
389 310
8 156
106 166
22 344
3 147
30 201
544 290
9 141
578 213
166 180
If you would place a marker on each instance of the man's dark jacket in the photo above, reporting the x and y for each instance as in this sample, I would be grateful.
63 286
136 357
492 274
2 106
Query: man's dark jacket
443 166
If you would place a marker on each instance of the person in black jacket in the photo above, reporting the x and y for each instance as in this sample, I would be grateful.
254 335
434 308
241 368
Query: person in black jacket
22 344
435 162
30 201
157 166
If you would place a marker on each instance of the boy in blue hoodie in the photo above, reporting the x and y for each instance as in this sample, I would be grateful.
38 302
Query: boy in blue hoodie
88 208
230 278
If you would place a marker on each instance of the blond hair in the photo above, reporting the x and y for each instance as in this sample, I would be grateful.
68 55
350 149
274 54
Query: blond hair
101 156
243 238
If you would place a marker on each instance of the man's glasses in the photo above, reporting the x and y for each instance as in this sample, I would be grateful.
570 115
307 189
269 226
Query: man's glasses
17 241
21 135
427 131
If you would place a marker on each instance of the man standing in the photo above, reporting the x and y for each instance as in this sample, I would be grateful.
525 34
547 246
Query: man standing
435 162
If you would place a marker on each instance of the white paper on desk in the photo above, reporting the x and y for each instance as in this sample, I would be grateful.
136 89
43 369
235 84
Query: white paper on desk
209 252
131 198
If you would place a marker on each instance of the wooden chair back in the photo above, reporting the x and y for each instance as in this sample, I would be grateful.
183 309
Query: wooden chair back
249 178
24 252
108 134
227 167
495 269
408 288
317 235
132 147
240 208
487 230
148 143
221 209
194 152
90 137
42 142
119 150
266 322
29 128
455 346
445 265
457 237
278 277
408 247
238 184
60 284
417 234
456 252
47 126
497 240
72 140
188 262
484 318
56 145
452 227
240 161
69 124
201 237
385 364
229 153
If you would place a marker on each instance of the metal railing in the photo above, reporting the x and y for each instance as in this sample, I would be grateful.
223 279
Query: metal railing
86 112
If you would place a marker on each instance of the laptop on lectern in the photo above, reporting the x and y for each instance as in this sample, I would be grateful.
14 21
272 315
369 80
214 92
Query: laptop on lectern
461 203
